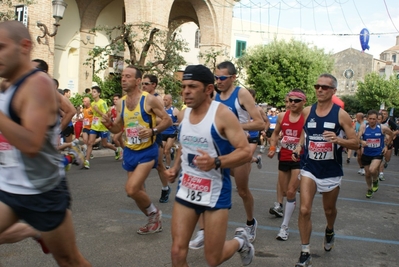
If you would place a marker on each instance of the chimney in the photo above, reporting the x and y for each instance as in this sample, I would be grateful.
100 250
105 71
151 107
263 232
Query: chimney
397 40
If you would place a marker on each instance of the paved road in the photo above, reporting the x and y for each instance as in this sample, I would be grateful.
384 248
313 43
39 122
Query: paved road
367 230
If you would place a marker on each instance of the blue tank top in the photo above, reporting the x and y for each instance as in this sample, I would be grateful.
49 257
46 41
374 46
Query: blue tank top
374 139
171 129
321 158
234 105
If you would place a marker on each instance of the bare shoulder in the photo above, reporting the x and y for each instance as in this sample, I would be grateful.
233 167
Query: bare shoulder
306 111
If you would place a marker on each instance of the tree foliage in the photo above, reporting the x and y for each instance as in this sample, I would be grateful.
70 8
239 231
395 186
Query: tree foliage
376 90
275 69
352 104
7 8
150 49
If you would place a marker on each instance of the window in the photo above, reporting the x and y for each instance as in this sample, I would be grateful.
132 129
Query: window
197 38
394 58
240 48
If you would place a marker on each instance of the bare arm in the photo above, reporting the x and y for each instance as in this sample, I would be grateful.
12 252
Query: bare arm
68 110
275 136
265 118
36 105
117 125
257 123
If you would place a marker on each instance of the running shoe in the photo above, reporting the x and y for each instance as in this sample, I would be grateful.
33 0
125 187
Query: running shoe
283 234
77 154
251 231
381 176
87 164
247 250
259 162
362 172
198 241
369 193
305 260
385 164
118 153
348 160
91 156
172 153
165 195
67 167
154 224
277 210
329 240
262 149
375 186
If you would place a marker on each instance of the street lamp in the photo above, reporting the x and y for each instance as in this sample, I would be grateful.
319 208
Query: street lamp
59 7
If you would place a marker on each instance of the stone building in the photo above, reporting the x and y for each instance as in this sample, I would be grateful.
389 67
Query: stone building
68 50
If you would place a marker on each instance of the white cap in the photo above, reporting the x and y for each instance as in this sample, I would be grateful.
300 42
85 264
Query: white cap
273 109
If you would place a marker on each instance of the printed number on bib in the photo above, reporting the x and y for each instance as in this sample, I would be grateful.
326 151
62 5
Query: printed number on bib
289 142
8 154
195 189
95 120
373 143
321 150
132 136
86 122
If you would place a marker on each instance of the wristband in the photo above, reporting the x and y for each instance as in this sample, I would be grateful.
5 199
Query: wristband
272 148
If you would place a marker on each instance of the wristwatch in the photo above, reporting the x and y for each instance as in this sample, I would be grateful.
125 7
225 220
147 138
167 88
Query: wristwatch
154 131
217 163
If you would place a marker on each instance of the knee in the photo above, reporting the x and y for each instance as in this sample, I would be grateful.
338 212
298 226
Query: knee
212 261
305 212
132 191
243 192
329 211
291 193
178 254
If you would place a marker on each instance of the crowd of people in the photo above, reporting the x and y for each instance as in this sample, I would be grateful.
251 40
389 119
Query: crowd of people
215 136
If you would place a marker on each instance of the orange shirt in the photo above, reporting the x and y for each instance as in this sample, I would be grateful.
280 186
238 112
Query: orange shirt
87 118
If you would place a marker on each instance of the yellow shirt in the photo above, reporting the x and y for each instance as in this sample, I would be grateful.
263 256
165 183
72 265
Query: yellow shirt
134 121
96 123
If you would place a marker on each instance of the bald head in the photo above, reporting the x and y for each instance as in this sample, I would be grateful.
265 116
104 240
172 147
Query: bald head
16 30
167 100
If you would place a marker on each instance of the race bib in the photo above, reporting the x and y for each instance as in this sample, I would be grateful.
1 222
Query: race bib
195 189
8 154
96 120
321 150
289 142
272 125
132 136
86 122
373 143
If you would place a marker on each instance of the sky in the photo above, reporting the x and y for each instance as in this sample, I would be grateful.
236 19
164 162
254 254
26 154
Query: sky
330 24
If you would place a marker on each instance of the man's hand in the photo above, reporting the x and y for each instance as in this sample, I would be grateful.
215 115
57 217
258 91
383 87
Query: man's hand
204 162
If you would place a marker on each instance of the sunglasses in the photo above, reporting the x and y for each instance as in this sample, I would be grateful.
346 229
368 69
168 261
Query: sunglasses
324 87
146 83
297 100
222 78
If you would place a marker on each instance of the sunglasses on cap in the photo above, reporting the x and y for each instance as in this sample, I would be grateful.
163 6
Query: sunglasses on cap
296 100
324 87
146 83
222 78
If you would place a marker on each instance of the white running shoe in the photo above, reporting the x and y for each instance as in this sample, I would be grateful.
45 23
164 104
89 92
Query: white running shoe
247 250
283 234
251 231
198 241
259 163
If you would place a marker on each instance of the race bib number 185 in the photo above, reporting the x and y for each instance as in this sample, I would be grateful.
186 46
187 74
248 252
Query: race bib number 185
195 189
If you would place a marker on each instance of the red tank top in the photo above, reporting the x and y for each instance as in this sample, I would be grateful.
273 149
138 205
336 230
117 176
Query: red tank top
291 134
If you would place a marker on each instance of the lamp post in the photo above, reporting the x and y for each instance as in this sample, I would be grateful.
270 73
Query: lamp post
59 7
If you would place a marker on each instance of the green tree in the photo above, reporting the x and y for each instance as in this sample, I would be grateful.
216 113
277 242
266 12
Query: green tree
352 104
376 90
7 8
150 49
275 69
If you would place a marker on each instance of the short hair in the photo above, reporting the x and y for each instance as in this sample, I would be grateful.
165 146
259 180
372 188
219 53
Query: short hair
333 79
139 74
61 91
42 65
373 111
97 88
16 30
56 82
87 90
66 91
231 69
152 78
117 95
